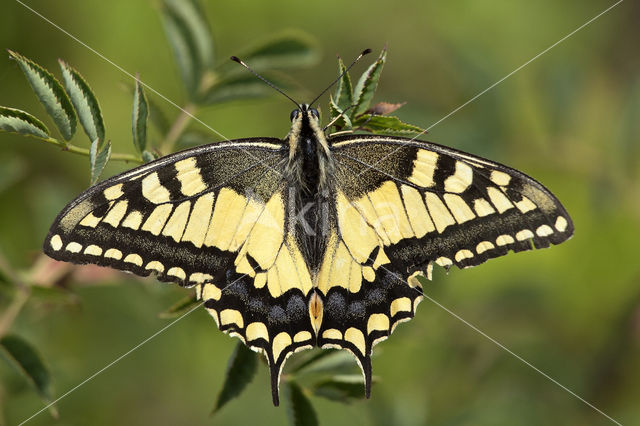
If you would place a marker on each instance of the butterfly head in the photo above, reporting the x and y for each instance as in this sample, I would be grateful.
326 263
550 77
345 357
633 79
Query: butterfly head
304 110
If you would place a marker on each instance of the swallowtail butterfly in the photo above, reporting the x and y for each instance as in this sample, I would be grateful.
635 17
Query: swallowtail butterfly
311 240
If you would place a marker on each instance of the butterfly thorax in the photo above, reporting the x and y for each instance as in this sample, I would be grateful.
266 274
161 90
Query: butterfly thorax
309 175
310 164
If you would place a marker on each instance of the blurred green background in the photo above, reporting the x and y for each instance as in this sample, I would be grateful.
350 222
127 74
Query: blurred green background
571 119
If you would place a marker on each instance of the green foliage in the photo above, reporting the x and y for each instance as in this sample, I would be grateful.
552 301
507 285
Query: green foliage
98 157
84 101
50 93
139 117
341 388
350 108
181 307
241 369
344 89
25 358
299 409
367 85
16 121
190 39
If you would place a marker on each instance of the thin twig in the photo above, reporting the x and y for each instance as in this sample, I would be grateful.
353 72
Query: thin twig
85 151
177 128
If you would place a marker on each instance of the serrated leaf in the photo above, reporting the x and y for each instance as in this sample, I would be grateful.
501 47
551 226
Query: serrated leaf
23 123
51 95
190 38
334 361
367 85
156 114
148 157
180 307
299 409
241 87
287 49
84 101
98 158
344 89
242 366
139 117
386 125
307 358
335 111
341 388
25 358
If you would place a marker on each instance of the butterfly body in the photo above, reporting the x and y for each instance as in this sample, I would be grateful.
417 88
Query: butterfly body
309 240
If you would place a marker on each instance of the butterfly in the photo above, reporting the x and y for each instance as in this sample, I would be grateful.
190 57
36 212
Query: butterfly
312 240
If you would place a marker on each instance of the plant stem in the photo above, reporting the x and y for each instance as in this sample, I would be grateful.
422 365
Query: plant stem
177 128
116 156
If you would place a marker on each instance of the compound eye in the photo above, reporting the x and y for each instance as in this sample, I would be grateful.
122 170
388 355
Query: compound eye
294 114
315 113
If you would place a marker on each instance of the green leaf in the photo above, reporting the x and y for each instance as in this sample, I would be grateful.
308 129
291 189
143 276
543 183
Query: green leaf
300 410
139 118
180 307
190 38
23 123
240 371
240 87
148 157
344 89
324 361
366 87
335 111
341 388
51 95
98 158
84 101
287 49
25 358
387 125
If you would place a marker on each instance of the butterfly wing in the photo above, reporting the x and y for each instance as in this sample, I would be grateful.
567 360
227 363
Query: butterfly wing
211 217
402 205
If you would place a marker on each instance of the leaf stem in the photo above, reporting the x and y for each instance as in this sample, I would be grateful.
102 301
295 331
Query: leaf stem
177 128
85 151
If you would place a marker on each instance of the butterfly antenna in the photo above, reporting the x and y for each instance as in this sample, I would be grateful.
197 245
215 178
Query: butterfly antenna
270 84
364 52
